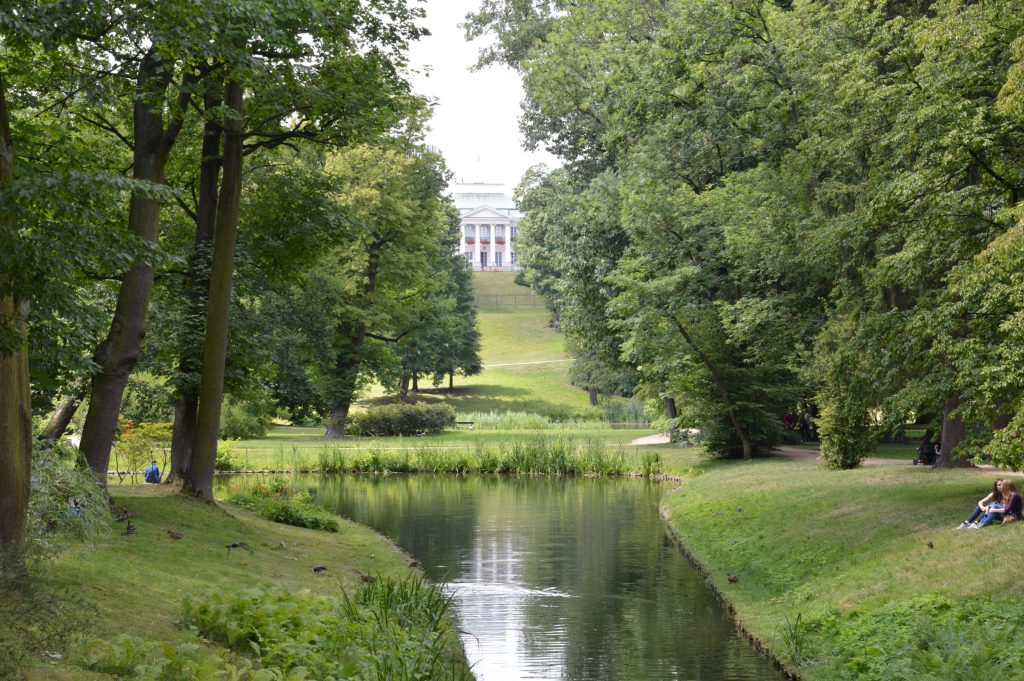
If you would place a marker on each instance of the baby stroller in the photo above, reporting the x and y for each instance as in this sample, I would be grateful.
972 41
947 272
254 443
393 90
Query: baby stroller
927 453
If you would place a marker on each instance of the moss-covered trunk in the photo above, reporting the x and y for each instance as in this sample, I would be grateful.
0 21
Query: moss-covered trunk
198 479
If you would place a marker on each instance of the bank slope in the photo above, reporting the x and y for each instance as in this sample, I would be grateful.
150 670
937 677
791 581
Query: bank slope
859 574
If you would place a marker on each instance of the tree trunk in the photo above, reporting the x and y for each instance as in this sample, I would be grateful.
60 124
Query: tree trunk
198 480
415 382
190 362
183 437
954 430
15 400
451 381
15 439
723 391
592 393
336 424
670 408
403 388
119 352
61 418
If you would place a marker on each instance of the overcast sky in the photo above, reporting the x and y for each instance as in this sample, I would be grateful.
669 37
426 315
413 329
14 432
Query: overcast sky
475 123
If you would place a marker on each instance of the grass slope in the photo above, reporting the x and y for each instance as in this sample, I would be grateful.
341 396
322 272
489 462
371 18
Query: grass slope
857 574
535 377
136 584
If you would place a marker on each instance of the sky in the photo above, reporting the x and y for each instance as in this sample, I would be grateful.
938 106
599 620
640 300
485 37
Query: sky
475 123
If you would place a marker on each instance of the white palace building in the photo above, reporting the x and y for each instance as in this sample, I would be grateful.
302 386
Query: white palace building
490 225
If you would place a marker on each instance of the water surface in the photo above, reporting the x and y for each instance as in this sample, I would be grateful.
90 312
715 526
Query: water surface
561 579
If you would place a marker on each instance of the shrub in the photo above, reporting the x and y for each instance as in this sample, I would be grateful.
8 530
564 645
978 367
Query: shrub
147 398
402 419
846 436
624 411
389 629
240 421
278 502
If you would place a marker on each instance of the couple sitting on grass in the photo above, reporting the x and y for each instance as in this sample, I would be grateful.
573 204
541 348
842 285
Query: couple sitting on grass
1002 504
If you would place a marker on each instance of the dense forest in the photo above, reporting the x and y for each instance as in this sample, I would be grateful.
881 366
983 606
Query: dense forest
207 210
769 204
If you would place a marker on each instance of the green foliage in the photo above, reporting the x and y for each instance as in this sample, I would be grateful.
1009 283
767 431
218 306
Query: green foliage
65 502
402 419
278 502
930 637
240 421
147 398
846 435
518 420
388 629
138 445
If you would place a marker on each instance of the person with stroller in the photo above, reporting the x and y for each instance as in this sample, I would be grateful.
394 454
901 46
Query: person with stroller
983 507
927 451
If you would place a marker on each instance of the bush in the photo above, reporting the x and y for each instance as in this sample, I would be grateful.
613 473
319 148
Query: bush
278 502
846 436
624 411
147 398
402 419
240 421
64 501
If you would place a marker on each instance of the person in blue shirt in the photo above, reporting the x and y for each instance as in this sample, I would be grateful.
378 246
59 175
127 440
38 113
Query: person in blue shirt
152 473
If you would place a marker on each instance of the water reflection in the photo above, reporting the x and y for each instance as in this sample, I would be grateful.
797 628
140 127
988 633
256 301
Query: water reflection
556 579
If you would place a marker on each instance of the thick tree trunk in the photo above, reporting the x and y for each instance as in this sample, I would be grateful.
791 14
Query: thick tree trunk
723 391
670 408
118 354
954 430
592 393
198 480
183 437
336 424
451 381
415 382
403 387
15 439
61 417
190 361
15 400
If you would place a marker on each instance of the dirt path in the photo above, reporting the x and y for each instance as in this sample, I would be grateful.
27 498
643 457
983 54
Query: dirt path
659 439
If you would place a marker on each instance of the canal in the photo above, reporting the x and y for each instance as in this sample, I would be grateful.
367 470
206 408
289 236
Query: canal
553 578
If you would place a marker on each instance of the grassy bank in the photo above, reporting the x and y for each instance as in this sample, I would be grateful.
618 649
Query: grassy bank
138 585
858 574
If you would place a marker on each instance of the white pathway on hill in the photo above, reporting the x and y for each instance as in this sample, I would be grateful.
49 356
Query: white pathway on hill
518 364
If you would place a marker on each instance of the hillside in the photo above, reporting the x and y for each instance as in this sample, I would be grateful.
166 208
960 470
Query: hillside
525 364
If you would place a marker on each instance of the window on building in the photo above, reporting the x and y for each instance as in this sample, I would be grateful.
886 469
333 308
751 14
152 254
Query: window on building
467 231
497 259
485 231
515 232
483 258
512 257
499 231
469 256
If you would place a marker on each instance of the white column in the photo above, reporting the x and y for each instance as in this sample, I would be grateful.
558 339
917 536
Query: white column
508 246
476 247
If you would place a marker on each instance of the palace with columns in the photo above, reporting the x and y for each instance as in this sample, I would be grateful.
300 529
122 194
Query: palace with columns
490 225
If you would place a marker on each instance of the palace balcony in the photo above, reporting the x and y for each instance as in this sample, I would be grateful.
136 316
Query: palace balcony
499 240
470 240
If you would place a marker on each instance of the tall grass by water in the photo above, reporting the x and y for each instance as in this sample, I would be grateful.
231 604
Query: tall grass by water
529 456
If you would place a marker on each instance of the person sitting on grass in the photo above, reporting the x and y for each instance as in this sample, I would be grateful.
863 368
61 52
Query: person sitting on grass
995 496
1008 511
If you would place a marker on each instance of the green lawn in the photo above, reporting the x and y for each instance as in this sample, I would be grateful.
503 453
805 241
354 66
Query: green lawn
136 584
535 375
857 574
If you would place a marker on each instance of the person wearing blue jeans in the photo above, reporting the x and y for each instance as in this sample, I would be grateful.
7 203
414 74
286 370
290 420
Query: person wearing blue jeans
996 495
1009 511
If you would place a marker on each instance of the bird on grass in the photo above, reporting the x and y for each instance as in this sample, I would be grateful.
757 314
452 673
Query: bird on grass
414 563
124 514
931 545
369 579
238 545
130 529
173 534
732 578
319 569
